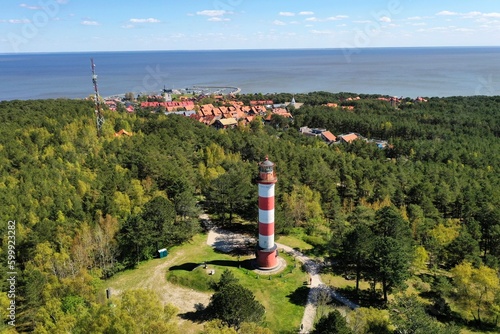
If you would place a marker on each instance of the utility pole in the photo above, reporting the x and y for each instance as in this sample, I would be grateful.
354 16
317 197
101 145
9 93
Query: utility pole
98 111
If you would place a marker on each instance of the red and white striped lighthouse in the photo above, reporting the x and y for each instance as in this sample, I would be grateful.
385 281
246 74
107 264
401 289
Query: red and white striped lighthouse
267 256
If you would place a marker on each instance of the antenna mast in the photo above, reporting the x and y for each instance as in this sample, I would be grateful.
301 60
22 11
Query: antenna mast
98 111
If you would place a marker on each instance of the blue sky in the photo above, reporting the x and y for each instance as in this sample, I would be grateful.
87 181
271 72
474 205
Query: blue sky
112 25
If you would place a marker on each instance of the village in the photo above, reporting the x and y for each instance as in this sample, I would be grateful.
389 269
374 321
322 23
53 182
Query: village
227 111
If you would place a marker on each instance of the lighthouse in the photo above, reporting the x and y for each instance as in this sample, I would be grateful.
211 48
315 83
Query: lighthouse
267 256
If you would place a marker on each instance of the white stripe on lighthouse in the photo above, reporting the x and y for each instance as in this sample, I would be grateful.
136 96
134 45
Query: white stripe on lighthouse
266 190
266 216
266 242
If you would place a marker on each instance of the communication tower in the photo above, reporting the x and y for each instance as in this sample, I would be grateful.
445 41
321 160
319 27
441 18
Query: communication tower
97 100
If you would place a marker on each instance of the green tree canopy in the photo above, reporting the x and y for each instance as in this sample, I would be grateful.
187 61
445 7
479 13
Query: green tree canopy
392 252
234 304
333 323
409 317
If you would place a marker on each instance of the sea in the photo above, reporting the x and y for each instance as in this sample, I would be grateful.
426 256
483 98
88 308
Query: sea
407 72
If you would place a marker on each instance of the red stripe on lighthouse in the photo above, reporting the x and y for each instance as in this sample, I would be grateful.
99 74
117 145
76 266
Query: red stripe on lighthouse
266 229
266 203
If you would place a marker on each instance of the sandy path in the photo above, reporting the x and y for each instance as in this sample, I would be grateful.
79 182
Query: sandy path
316 284
315 281
225 240
183 298
186 299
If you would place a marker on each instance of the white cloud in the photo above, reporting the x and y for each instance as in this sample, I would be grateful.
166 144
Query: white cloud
494 15
475 15
30 7
331 18
447 13
128 26
286 14
90 23
434 29
321 32
306 13
15 21
279 23
148 20
385 19
337 17
218 19
213 12
472 14
215 15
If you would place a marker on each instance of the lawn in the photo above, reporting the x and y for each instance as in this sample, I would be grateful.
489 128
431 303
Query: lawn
283 295
294 242
340 282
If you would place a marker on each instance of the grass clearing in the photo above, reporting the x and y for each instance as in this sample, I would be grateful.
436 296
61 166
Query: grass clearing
294 242
283 295
151 275
341 282
132 278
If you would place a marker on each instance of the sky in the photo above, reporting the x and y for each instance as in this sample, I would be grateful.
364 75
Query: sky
113 25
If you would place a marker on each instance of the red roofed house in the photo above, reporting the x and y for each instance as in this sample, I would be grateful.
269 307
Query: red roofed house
207 120
122 132
349 138
206 110
328 137
282 112
258 109
348 107
111 104
238 114
225 123
249 119
261 103
246 109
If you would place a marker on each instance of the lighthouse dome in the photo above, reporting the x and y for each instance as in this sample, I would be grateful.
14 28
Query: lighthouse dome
267 163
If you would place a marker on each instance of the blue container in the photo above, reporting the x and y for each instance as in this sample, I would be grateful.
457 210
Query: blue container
162 252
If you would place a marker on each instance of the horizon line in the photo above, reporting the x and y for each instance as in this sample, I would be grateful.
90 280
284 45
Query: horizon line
263 49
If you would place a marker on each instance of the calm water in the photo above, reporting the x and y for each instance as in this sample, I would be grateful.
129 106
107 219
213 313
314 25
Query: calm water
392 71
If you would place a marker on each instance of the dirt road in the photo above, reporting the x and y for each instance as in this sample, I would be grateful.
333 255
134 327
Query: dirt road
155 279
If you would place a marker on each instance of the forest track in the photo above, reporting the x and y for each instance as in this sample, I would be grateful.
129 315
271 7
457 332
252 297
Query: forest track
186 299
154 278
